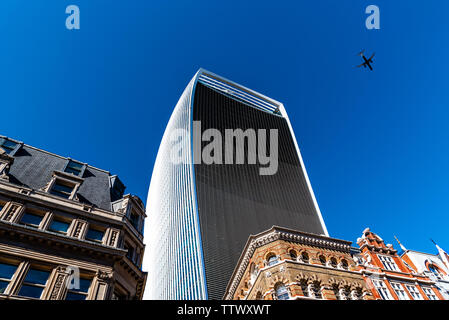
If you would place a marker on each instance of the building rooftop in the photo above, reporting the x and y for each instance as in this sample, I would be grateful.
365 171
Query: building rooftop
34 168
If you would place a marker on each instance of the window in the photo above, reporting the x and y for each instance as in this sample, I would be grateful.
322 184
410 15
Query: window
61 189
435 271
134 219
6 273
31 219
94 235
74 168
8 146
130 253
293 255
414 292
81 292
388 263
59 226
344 264
272 260
281 292
305 257
304 288
316 288
259 296
333 262
323 260
400 291
382 289
430 294
34 283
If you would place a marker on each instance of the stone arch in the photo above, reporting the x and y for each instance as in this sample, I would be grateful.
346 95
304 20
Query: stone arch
278 278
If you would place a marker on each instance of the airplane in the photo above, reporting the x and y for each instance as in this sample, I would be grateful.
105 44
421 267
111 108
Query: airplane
367 61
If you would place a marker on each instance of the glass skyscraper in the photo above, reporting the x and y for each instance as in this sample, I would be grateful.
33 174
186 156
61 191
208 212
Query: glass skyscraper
201 215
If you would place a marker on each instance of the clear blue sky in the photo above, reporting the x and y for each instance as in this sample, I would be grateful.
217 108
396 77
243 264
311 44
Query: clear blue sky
375 144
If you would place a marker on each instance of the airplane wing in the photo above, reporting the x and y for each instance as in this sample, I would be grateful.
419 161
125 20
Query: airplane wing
360 65
371 57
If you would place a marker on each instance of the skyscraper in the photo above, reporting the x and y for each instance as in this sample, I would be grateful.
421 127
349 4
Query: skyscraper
200 215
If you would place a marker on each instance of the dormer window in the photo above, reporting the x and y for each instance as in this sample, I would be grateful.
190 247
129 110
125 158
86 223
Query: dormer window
64 185
8 146
75 168
62 189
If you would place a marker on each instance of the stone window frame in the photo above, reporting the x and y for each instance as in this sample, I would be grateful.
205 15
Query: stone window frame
270 255
67 179
16 148
18 279
83 168
35 210
275 291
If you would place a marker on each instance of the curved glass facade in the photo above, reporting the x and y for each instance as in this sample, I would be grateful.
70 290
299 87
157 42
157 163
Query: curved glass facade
200 216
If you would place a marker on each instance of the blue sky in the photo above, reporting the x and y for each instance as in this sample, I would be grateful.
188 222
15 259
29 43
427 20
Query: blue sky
375 144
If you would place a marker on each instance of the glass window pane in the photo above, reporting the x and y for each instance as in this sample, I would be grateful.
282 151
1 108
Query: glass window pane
62 188
3 285
94 235
72 296
37 276
75 165
7 270
31 219
84 285
59 226
30 291
72 171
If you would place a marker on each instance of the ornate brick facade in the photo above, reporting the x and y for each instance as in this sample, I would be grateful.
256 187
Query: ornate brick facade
389 276
286 264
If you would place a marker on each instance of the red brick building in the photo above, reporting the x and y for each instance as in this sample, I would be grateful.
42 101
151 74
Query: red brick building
388 276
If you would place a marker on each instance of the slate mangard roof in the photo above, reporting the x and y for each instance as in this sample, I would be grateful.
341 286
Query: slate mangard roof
33 168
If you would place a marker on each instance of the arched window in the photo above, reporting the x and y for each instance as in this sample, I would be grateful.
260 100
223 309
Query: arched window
333 262
304 288
272 259
281 292
305 257
293 255
323 260
259 296
344 264
316 291
435 271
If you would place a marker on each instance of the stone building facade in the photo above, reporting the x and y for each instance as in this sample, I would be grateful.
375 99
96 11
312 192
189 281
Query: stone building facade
389 276
285 264
67 230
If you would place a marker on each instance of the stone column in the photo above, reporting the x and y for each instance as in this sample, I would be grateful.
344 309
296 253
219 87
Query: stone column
57 284
101 286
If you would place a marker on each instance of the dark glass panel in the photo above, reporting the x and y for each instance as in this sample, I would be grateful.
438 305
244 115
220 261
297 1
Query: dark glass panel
7 270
